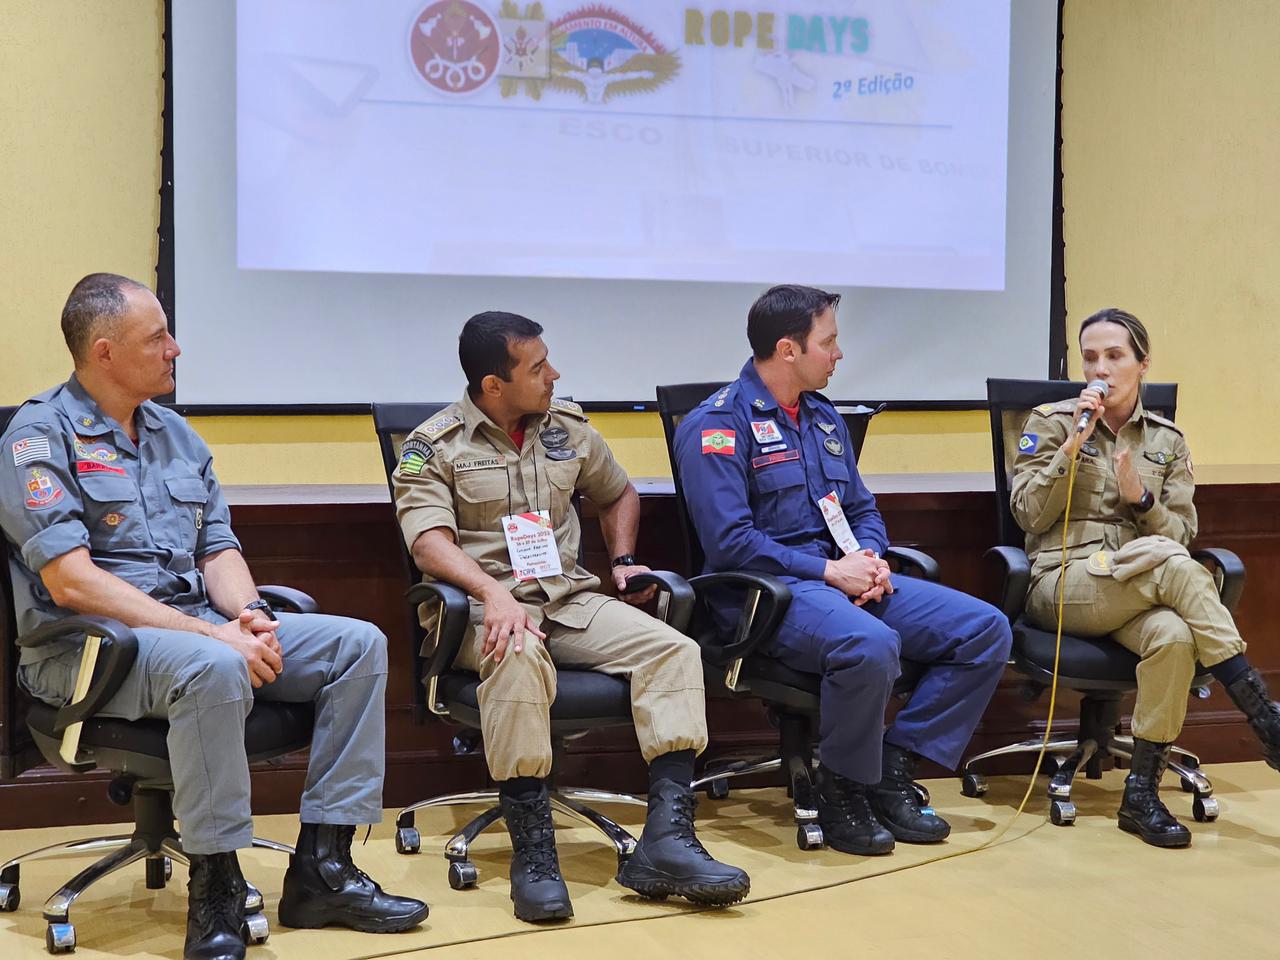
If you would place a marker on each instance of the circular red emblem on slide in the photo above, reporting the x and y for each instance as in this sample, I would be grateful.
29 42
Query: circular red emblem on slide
455 46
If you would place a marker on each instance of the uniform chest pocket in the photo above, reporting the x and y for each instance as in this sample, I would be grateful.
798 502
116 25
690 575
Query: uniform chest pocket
781 495
188 495
1153 478
112 512
482 497
562 477
836 471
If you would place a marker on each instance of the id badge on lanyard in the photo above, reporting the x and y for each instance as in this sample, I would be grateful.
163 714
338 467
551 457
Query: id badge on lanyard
838 523
531 545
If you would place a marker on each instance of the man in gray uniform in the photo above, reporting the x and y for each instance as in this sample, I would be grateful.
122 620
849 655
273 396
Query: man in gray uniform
111 508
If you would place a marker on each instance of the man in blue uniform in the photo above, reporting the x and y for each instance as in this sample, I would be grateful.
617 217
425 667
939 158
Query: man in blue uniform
769 477
111 508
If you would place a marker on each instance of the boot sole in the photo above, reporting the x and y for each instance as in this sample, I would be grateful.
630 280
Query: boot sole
303 919
659 886
1157 840
907 835
540 916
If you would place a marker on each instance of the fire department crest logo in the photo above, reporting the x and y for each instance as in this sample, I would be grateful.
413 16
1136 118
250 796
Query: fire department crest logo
42 491
455 46
598 53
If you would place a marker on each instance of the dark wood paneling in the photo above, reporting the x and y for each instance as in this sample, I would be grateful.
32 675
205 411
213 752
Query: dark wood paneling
348 556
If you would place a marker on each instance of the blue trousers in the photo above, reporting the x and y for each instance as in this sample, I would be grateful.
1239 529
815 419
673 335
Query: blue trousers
962 642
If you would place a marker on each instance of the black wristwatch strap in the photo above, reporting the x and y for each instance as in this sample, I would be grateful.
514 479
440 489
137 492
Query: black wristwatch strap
262 605
625 560
1147 501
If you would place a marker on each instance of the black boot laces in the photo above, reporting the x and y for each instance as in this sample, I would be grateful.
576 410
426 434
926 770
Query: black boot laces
850 799
539 848
683 807
222 902
350 871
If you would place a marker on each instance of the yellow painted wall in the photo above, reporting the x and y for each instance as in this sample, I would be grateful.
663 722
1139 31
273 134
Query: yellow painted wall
1167 136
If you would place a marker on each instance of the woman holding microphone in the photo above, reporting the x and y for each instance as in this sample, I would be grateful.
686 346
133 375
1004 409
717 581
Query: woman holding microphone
1128 575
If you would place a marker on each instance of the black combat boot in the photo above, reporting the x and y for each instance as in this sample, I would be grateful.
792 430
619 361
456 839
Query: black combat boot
1141 811
324 888
845 815
669 860
215 908
896 803
1249 693
537 889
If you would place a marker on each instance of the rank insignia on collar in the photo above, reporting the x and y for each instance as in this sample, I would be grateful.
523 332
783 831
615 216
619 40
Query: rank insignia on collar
826 427
758 403
1089 450
86 421
833 446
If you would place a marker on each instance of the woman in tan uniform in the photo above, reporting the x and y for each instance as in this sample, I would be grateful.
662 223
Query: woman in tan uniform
1128 574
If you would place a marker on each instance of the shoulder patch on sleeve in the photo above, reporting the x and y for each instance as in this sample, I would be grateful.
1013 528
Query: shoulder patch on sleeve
570 408
439 427
414 454
28 449
1028 442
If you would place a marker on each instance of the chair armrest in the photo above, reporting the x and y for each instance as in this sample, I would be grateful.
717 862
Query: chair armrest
288 599
117 651
910 559
675 596
455 613
763 608
1016 579
1228 571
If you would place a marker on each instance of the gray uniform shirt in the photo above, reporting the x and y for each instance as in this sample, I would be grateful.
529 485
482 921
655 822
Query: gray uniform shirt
147 512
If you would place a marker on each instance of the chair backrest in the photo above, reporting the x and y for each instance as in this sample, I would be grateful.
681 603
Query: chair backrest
393 422
677 400
17 752
1010 402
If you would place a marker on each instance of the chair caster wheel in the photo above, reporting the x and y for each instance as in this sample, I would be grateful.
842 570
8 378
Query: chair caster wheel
10 897
809 837
973 785
252 899
718 789
60 938
1204 809
922 793
1062 813
462 874
408 840
256 929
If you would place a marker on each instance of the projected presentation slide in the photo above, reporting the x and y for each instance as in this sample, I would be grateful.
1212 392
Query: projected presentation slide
841 144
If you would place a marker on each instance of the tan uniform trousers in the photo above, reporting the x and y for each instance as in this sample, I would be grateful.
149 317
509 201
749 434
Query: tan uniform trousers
1169 616
664 666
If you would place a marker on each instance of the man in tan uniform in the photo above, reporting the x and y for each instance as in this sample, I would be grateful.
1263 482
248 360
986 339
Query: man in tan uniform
1128 574
483 495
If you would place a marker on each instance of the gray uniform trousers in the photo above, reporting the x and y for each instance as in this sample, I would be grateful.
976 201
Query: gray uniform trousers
201 686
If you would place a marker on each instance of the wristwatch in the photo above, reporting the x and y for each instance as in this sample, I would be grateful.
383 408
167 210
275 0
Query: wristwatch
262 605
625 560
1145 502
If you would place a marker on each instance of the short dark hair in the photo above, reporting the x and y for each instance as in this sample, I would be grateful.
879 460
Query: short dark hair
1139 339
787 310
95 305
484 346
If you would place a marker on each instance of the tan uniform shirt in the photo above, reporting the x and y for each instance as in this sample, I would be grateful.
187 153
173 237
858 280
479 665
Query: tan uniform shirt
460 471
1100 517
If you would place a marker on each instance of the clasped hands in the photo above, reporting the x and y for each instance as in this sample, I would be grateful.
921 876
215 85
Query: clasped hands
862 576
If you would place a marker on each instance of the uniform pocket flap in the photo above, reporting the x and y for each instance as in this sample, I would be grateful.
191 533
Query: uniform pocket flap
107 489
779 477
482 486
187 489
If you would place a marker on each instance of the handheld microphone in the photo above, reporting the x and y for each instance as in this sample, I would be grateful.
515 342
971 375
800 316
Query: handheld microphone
1101 387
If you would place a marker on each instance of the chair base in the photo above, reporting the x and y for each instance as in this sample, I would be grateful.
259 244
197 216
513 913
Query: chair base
1096 739
154 840
572 801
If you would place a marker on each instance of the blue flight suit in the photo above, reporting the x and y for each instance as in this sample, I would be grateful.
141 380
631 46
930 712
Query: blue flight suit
148 513
752 481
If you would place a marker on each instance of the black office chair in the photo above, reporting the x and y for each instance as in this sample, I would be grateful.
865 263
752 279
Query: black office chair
585 700
1103 672
74 740
736 667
